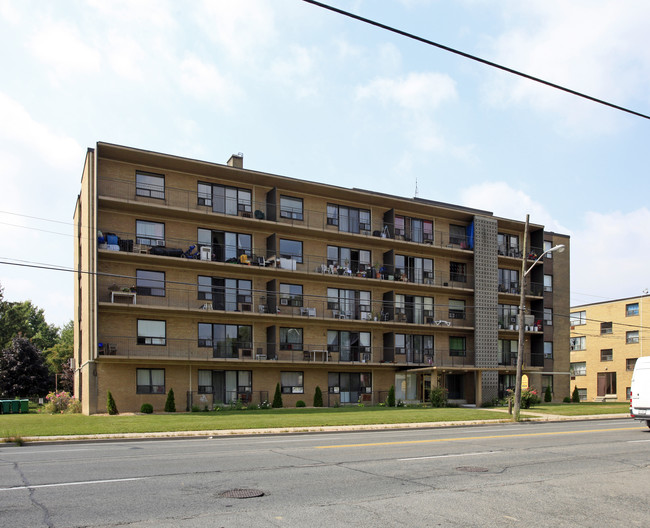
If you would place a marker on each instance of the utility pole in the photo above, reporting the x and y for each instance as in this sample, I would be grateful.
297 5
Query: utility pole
520 346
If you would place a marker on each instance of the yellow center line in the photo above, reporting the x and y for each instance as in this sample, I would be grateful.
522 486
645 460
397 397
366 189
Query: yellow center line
519 435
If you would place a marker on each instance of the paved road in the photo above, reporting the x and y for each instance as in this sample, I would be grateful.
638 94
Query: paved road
592 473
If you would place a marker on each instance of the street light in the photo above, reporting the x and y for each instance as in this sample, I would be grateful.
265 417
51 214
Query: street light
522 295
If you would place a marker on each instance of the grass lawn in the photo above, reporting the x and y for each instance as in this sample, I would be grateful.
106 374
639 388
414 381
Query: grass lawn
579 409
34 424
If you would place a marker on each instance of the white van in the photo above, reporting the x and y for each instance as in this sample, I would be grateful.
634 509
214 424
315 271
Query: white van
640 390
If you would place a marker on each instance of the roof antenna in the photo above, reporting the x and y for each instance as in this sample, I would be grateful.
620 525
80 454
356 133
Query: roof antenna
416 186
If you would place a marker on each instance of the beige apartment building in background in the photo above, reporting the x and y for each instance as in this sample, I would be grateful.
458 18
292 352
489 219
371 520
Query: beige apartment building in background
221 282
606 340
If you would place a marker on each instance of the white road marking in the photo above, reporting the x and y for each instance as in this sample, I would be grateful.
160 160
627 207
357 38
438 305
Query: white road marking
83 483
448 456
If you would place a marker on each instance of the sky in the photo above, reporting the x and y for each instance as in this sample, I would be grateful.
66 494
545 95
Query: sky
310 94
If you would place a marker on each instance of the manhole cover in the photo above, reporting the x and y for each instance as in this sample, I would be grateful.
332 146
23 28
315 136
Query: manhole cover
472 469
241 494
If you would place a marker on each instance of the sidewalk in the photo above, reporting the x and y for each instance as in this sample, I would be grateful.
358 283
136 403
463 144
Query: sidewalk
527 416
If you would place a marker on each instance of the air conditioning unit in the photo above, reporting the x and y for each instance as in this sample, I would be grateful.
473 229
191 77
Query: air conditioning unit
284 301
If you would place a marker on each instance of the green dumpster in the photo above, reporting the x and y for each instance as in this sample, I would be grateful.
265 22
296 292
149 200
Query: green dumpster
6 406
24 406
15 406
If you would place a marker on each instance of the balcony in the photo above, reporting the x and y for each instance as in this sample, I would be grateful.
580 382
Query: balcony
534 289
191 201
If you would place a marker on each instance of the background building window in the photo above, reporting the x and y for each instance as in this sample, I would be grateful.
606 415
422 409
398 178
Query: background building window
548 283
548 316
150 283
606 328
291 249
150 185
578 343
292 382
606 383
548 350
149 233
606 354
632 337
150 381
629 363
291 208
548 245
583 394
579 368
578 318
151 332
631 309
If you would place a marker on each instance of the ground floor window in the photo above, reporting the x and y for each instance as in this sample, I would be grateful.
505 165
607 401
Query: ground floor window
150 381
350 386
406 386
292 382
547 381
583 394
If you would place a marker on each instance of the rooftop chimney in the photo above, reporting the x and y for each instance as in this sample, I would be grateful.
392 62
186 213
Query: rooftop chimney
237 160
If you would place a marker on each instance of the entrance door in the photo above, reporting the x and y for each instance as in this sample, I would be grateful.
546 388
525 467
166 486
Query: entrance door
219 386
455 386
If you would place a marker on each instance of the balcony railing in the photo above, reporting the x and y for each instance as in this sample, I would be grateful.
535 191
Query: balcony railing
262 352
208 400
535 289
263 211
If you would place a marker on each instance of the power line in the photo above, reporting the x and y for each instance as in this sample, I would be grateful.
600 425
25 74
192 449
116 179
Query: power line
475 58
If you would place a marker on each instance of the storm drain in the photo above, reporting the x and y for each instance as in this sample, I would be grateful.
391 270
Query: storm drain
472 469
241 494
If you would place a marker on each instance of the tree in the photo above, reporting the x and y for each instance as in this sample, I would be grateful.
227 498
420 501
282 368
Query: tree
26 320
390 401
170 404
277 398
548 397
575 397
110 404
23 371
59 355
318 397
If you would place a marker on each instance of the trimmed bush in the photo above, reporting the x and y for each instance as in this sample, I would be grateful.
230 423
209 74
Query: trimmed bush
110 404
146 408
548 397
566 400
575 397
438 397
301 403
170 404
390 401
318 397
277 398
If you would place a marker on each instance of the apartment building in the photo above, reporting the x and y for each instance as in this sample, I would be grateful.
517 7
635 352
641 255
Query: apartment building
606 340
220 283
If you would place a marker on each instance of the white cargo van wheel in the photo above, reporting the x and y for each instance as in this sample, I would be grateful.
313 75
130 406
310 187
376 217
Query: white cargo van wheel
647 422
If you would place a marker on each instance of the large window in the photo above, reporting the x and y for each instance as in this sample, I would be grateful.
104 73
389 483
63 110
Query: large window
508 280
632 337
149 282
150 381
149 233
456 309
414 269
150 185
631 309
507 315
578 318
578 343
508 351
291 339
350 386
232 295
348 219
457 346
458 271
351 346
508 245
457 234
151 332
223 199
205 382
291 208
348 259
414 309
606 383
225 245
414 346
291 249
225 339
579 368
291 294
292 382
413 229
348 304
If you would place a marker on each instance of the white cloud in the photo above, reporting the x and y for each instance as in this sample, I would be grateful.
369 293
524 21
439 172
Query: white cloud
203 81
9 12
296 70
417 91
144 13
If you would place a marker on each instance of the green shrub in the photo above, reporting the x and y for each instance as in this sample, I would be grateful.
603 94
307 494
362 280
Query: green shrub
170 404
110 404
195 408
548 397
318 397
301 403
277 398
61 402
575 397
390 401
146 408
566 399
252 407
438 397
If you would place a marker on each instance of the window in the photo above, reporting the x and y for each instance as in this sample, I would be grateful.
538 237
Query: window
579 368
548 245
290 338
416 269
150 283
348 219
150 381
456 309
548 316
348 303
348 259
223 199
578 318
606 328
151 332
291 208
508 245
583 394
150 185
225 245
578 343
414 229
631 309
457 346
225 339
632 337
226 294
458 271
508 351
205 382
292 382
548 283
547 381
291 294
456 234
291 249
352 346
149 233
416 347
628 393
606 383
548 350
508 280
606 354
349 385
507 315
630 363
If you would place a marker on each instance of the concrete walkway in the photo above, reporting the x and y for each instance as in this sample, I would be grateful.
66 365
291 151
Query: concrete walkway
527 416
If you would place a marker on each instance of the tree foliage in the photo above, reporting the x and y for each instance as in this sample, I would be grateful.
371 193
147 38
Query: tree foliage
25 320
170 403
23 371
111 408
58 356
318 397
277 398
